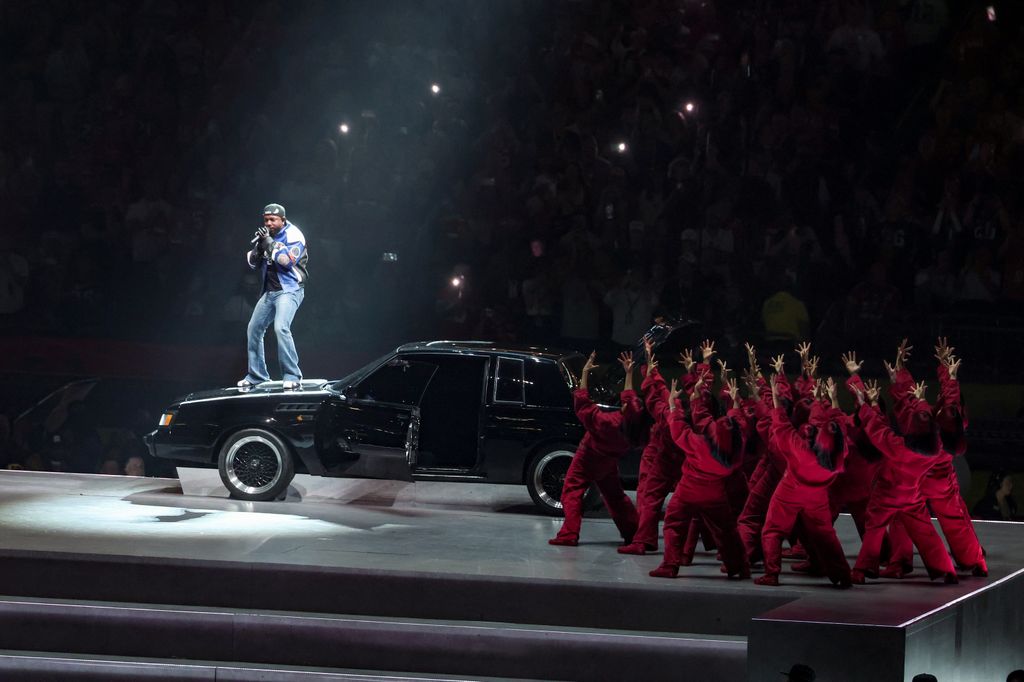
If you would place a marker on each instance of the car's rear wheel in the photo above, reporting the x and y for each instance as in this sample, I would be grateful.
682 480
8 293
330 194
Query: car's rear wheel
255 465
546 475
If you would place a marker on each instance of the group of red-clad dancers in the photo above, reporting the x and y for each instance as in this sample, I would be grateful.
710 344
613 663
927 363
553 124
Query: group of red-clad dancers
746 474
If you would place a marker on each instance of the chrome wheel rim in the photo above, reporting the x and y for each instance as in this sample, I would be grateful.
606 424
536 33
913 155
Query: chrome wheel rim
549 476
253 465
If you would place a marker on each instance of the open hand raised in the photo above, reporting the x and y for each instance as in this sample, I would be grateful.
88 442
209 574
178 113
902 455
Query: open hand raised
707 349
850 362
626 360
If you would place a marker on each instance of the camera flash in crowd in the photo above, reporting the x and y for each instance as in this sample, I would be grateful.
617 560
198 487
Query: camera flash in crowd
689 107
456 281
435 88
990 12
343 128
621 147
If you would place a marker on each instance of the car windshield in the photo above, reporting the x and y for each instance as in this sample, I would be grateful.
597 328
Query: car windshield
350 379
572 365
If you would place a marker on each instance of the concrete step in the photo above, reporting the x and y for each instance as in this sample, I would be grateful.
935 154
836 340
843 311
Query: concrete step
46 666
662 606
423 646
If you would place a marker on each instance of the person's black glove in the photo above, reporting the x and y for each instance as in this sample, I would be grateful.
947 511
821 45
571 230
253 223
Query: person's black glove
267 242
262 236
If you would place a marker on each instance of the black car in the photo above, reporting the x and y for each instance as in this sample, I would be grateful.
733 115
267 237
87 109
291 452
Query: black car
434 411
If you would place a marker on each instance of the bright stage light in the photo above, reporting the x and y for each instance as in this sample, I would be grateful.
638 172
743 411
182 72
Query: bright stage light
689 107
621 147
343 128
435 88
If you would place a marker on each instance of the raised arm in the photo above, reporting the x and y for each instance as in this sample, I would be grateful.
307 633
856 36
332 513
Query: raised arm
806 381
946 371
878 431
901 381
681 432
655 392
626 360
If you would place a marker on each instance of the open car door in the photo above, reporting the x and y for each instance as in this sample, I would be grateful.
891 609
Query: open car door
372 431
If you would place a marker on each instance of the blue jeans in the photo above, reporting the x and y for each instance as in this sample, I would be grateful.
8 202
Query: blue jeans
278 307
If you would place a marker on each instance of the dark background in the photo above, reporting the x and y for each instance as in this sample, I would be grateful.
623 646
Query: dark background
850 173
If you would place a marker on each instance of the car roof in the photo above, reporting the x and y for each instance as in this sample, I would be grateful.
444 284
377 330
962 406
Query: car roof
486 347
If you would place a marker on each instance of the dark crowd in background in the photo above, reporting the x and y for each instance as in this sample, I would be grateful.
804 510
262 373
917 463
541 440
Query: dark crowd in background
558 172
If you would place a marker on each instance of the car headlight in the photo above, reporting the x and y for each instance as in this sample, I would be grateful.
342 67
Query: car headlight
166 419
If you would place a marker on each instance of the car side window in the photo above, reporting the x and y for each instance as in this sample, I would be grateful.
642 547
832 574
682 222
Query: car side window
399 381
508 381
546 386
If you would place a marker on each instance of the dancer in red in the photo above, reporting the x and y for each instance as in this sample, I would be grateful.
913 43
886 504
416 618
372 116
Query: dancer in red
897 489
814 457
736 482
737 485
714 448
597 458
661 463
852 488
940 487
770 469
806 389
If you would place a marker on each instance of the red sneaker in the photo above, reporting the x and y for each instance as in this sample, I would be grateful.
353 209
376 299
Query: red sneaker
563 542
806 567
665 571
896 570
795 552
637 548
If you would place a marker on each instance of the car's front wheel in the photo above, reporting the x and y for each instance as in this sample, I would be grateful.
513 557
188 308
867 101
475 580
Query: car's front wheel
255 465
546 475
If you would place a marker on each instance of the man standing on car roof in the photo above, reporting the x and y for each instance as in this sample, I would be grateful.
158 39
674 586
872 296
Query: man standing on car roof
280 253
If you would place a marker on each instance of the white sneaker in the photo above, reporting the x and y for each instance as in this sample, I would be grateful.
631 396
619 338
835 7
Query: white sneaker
291 385
244 386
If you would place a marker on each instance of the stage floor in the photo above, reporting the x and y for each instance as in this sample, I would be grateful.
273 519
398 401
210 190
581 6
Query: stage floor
149 518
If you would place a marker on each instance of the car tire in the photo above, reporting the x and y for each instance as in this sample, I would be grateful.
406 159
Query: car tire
255 465
545 475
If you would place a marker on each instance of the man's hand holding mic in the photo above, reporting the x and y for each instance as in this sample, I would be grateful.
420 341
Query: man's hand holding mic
263 241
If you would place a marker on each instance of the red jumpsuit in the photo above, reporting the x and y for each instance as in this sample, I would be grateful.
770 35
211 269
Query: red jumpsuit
766 475
597 461
714 448
941 490
897 495
736 486
852 487
660 467
803 493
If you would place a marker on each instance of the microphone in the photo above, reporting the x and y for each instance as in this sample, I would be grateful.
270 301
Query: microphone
258 236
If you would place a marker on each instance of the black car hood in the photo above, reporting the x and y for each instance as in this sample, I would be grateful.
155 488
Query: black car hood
309 386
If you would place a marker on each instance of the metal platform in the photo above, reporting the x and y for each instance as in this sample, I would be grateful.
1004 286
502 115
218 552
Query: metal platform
452 579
